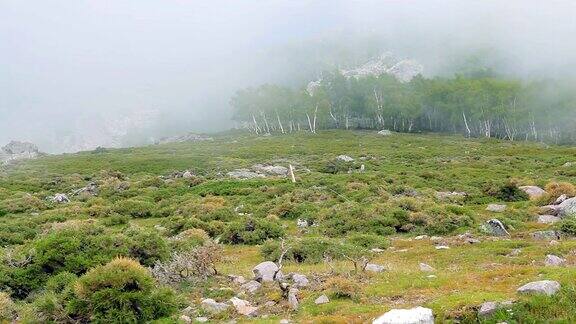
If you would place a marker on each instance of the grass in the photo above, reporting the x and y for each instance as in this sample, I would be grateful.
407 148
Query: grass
466 274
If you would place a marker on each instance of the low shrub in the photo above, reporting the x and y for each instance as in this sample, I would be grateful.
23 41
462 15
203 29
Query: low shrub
7 308
507 191
188 239
368 241
568 226
146 246
134 208
310 250
251 231
556 189
121 289
341 287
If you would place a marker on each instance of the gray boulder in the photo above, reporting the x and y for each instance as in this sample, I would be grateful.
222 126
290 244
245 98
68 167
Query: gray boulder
496 208
548 219
242 174
243 307
385 132
545 287
495 227
426 268
489 308
273 170
299 280
560 199
554 261
60 198
417 315
251 286
213 307
567 207
293 298
344 158
546 235
374 267
534 192
265 271
323 299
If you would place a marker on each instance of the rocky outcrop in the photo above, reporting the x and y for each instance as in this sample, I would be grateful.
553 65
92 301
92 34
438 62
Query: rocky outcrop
543 287
495 227
496 208
15 150
190 137
265 271
534 192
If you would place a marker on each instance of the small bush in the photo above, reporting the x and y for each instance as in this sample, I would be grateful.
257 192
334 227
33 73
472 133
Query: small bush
121 289
134 208
310 249
7 308
568 226
251 231
188 239
340 287
147 246
368 241
507 191
556 189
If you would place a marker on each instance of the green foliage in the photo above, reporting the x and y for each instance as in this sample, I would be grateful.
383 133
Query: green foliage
314 249
121 290
146 246
134 208
251 231
507 191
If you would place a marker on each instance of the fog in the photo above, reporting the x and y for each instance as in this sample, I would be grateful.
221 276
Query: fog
79 74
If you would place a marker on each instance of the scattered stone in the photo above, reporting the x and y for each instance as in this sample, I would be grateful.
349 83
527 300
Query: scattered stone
251 286
91 189
323 299
239 280
344 158
548 219
421 237
190 137
187 175
213 307
489 308
495 227
385 132
546 235
442 247
417 315
546 287
567 207
534 192
374 267
496 208
514 252
243 307
242 174
300 280
560 199
472 240
185 319
554 261
302 223
60 198
447 195
426 268
377 250
201 319
273 170
265 271
436 238
293 298
550 210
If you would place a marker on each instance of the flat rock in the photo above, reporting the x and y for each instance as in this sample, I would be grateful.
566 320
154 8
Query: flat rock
426 268
243 174
496 208
567 207
546 235
265 271
554 261
534 192
251 286
447 195
213 307
374 267
385 132
562 198
243 307
323 299
548 219
273 170
546 287
495 227
344 158
417 315
489 308
239 280
299 280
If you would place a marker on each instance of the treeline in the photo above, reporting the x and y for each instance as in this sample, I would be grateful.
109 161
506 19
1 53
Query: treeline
476 106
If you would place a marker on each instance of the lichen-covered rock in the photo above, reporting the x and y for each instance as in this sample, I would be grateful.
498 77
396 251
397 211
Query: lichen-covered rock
344 158
548 219
213 307
554 261
543 287
265 271
243 307
299 280
567 207
293 298
496 208
322 299
417 315
534 192
251 286
546 235
374 267
495 227
273 170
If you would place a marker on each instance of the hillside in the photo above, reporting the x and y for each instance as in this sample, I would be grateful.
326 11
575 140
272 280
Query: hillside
373 222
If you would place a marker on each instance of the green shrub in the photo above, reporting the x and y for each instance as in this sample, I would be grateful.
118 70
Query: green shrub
146 246
7 308
134 208
341 287
568 226
368 241
121 289
251 231
188 239
507 191
310 249
60 281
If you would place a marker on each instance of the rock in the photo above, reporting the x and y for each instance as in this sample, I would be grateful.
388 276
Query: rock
550 210
15 150
374 267
201 319
300 280
377 250
487 309
560 199
569 164
243 307
442 247
243 174
534 192
472 240
185 319
421 237
447 195
546 235
496 208
417 315
251 286
302 223
436 238
554 261
265 271
426 268
323 299
269 303
213 307
344 158
546 287
293 298
548 219
567 207
60 198
285 321
187 175
495 227
514 252
273 170
91 189
385 132
239 280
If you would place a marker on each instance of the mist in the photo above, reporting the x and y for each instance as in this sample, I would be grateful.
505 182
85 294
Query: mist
81 74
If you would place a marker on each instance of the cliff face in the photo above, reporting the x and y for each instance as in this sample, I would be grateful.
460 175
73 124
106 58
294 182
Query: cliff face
18 151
